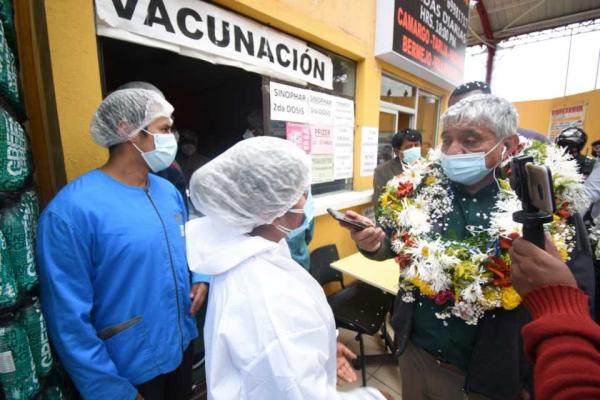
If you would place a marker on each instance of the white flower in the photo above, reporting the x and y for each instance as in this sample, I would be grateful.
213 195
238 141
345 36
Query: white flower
413 219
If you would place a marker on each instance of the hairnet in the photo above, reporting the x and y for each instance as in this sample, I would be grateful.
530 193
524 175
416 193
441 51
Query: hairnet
124 113
252 183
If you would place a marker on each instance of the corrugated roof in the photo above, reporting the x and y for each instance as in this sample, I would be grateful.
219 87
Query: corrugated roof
510 18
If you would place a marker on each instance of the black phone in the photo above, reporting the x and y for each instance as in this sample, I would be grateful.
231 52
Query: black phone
341 217
533 185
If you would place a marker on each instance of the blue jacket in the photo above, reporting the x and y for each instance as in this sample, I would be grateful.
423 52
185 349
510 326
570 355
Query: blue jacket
115 283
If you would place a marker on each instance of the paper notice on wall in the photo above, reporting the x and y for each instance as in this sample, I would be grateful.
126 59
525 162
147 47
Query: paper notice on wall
322 139
320 108
368 150
288 103
299 134
343 142
322 168
562 118
343 111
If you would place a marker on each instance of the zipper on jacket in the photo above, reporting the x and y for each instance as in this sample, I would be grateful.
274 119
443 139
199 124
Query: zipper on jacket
172 268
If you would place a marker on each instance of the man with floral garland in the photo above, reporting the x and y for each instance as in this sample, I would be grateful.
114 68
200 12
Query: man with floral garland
448 358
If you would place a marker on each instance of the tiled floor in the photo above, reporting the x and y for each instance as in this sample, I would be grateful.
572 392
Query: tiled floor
383 377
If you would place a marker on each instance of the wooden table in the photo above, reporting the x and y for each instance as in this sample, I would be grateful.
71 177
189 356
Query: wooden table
381 274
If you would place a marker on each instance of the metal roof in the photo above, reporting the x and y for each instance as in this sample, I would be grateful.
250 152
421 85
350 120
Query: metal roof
510 18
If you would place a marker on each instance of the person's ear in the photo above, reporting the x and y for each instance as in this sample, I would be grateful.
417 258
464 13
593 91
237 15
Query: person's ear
511 143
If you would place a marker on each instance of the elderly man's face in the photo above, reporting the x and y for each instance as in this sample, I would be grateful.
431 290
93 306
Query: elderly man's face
465 139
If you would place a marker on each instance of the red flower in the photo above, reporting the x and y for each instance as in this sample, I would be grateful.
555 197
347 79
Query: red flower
505 243
403 260
404 190
405 237
500 269
444 296
563 210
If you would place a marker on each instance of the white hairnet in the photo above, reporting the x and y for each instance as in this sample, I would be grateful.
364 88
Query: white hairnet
252 183
124 113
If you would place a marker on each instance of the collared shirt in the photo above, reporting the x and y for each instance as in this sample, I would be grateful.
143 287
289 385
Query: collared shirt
452 340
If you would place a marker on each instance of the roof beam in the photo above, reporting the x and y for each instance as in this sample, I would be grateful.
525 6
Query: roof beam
491 41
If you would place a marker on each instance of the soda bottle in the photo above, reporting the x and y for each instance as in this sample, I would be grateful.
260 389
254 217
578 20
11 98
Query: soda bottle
8 285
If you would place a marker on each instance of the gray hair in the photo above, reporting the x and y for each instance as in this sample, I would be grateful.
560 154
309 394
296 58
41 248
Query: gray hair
492 112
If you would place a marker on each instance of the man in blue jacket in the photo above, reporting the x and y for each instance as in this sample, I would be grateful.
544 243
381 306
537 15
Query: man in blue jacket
115 286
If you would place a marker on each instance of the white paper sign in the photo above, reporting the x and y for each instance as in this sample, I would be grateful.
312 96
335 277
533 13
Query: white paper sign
320 108
343 156
202 30
288 103
368 151
322 168
343 111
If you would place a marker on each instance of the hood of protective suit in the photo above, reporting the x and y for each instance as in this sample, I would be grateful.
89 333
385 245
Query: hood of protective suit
214 248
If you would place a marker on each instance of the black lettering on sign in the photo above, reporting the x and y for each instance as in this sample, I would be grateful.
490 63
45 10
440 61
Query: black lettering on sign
157 14
319 70
305 64
181 23
125 11
224 42
265 50
239 38
278 49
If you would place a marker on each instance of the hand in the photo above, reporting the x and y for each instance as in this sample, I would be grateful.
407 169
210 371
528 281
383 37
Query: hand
533 267
345 371
386 395
368 239
198 295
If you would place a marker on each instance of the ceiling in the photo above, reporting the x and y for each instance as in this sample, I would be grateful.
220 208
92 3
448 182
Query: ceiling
510 18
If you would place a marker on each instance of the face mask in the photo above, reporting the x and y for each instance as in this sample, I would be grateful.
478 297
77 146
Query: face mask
188 149
412 154
309 213
165 149
467 169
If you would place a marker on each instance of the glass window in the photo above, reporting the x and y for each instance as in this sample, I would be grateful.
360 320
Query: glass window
427 119
344 75
396 92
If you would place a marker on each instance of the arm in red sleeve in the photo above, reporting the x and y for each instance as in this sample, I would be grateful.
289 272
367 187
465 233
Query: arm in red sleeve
563 342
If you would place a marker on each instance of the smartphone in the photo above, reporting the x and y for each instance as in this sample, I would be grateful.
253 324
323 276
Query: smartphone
341 217
539 182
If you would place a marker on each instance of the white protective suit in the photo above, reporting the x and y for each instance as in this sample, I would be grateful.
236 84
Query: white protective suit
269 332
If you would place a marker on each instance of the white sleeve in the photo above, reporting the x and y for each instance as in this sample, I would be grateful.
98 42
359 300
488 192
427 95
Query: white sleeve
294 368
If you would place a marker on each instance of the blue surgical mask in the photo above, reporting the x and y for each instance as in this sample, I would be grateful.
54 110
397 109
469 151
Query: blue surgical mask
165 150
466 169
410 155
309 213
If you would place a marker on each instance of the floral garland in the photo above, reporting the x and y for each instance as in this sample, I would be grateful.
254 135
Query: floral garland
471 276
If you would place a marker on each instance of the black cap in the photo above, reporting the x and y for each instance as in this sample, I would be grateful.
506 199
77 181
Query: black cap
595 142
470 87
572 137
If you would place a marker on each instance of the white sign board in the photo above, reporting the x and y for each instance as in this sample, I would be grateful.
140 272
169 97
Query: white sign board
201 30
288 103
368 150
343 154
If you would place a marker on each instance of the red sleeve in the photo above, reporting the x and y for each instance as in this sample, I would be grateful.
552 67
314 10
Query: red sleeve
563 342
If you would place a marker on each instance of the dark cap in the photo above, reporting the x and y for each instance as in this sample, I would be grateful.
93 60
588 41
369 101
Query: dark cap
470 87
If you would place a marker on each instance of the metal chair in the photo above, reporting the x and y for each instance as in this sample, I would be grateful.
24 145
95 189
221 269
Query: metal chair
358 307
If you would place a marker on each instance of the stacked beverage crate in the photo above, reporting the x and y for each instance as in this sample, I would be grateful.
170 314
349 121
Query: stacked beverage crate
27 367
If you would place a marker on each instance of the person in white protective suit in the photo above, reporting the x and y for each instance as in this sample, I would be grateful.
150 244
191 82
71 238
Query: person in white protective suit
269 332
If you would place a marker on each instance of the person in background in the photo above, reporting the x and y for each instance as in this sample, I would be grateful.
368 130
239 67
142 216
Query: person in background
298 239
255 124
596 149
573 140
407 148
562 340
482 361
188 156
477 87
269 332
115 287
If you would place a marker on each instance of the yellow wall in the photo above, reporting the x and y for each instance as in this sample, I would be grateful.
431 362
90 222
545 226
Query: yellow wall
535 115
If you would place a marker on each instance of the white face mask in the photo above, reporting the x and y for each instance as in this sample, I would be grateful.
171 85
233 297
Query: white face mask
412 154
165 149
